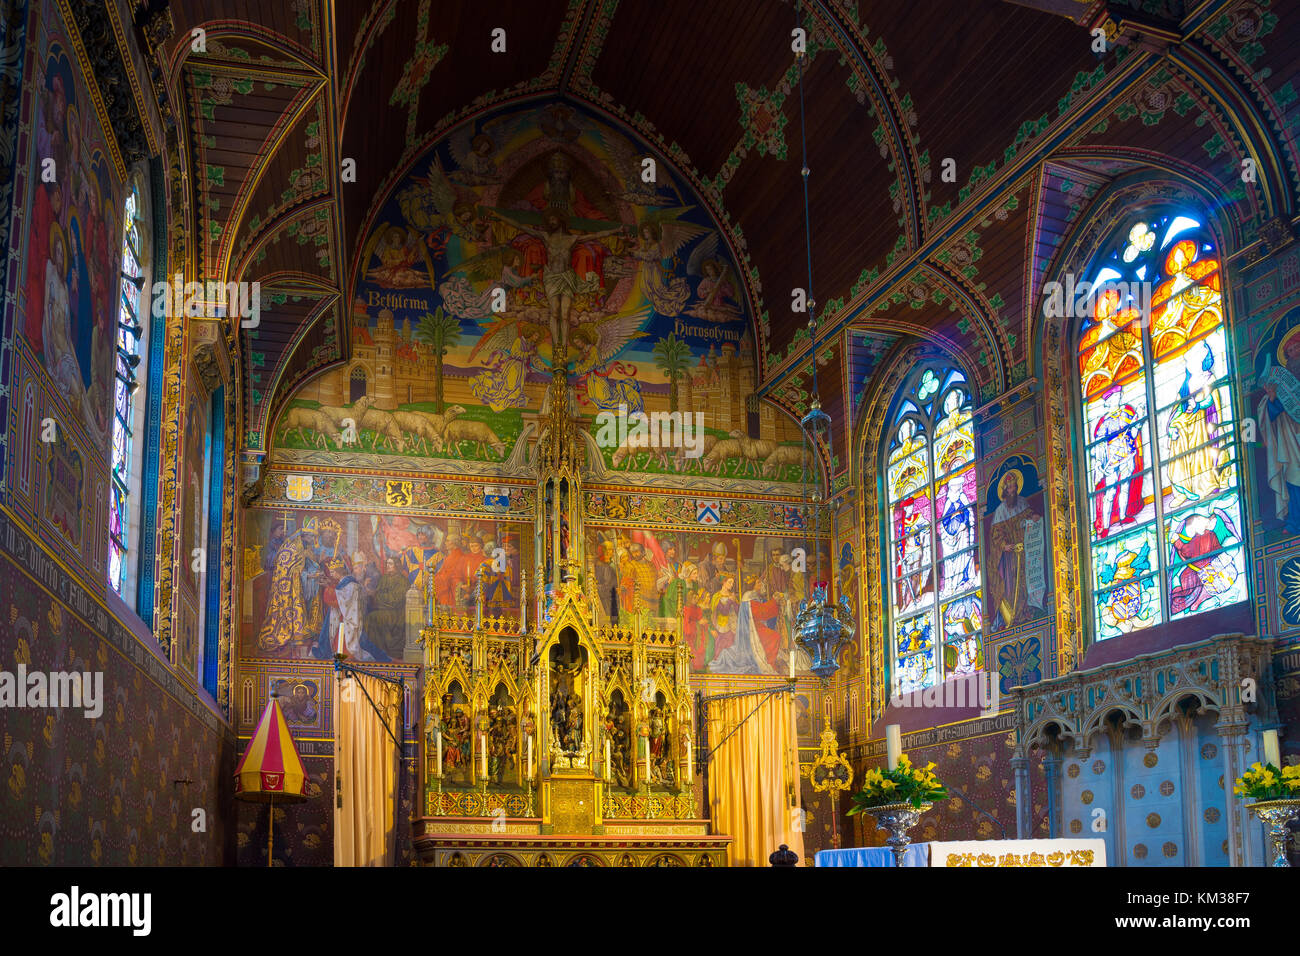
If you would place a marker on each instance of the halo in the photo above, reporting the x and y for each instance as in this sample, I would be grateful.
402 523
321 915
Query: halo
1008 474
1281 345
56 235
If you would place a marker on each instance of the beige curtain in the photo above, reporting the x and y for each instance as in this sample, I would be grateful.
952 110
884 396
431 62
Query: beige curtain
365 768
754 777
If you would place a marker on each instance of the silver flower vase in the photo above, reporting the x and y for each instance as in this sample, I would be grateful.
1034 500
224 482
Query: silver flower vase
897 819
1276 815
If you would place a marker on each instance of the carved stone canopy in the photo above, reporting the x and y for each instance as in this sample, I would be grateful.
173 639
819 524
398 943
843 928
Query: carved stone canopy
210 354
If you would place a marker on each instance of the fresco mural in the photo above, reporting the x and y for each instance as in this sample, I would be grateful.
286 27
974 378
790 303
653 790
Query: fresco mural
1016 579
72 259
317 584
529 236
1276 397
733 598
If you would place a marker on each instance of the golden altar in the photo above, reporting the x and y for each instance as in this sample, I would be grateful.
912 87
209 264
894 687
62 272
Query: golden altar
558 741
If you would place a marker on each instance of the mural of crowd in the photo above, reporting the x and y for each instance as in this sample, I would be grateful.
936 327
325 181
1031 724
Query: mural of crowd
72 248
327 583
733 599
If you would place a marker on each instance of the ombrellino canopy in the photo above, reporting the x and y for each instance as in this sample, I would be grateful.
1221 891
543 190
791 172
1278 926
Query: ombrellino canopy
271 768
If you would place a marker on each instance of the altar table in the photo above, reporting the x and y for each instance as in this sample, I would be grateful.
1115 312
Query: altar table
917 854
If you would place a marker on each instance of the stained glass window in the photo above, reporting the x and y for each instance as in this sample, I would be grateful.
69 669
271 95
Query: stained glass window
1163 498
128 350
935 618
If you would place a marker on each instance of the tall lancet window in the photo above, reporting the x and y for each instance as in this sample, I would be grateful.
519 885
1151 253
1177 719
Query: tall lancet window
935 617
128 369
1163 507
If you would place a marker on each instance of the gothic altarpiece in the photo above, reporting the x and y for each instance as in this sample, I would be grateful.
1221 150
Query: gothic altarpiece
549 740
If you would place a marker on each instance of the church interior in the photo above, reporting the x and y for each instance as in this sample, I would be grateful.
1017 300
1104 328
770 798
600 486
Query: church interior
622 434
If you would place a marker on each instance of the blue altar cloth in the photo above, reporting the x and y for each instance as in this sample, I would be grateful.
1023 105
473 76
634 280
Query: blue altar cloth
917 854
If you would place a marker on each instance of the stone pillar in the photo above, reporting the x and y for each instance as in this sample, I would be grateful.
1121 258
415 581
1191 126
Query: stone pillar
1230 744
1052 768
1024 799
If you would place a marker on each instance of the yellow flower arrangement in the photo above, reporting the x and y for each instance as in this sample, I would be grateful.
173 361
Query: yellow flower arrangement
903 784
1267 782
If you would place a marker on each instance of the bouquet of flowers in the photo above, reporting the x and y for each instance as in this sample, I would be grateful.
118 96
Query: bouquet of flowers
903 784
1267 782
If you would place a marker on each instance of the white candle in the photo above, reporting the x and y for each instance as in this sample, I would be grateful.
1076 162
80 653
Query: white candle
482 746
438 759
690 765
607 771
792 660
530 758
1272 751
893 744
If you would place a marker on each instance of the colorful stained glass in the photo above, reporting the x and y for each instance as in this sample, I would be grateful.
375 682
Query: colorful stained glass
128 345
916 671
933 532
1160 556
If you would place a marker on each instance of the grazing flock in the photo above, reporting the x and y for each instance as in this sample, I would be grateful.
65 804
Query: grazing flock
736 456
423 432
448 434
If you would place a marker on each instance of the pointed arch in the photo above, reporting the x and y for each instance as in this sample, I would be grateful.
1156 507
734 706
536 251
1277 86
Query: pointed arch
873 431
1152 401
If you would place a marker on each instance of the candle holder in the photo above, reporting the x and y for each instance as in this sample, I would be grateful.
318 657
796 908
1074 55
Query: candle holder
897 819
1276 815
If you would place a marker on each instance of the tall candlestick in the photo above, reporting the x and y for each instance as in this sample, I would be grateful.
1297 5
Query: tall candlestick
1272 751
893 744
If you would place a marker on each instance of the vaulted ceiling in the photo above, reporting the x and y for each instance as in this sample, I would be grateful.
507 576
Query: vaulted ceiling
279 100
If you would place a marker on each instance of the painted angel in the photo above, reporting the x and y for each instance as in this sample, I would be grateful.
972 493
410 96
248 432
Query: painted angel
598 342
475 153
628 165
436 207
715 295
660 236
510 344
398 252
498 265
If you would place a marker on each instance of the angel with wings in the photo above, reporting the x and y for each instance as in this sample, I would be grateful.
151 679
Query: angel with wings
475 153
399 251
439 209
715 296
598 342
500 265
660 236
512 347
628 165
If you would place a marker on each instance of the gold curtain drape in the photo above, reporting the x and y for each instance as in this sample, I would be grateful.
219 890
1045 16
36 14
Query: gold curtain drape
365 768
754 777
